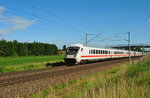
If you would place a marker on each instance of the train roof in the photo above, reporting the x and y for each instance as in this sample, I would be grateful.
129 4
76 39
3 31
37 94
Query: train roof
112 49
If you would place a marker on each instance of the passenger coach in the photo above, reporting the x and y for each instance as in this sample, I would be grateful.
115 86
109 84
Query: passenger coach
78 53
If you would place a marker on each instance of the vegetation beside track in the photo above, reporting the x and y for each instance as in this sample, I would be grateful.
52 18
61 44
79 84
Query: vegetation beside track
131 80
11 64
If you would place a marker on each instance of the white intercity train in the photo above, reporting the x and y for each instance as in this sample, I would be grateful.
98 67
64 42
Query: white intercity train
78 53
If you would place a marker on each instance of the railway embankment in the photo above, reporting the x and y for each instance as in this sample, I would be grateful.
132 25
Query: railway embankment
125 81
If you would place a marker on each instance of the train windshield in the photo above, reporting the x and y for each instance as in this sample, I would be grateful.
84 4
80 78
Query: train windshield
72 50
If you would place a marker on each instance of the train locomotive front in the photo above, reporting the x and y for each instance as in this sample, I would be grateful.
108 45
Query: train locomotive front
73 54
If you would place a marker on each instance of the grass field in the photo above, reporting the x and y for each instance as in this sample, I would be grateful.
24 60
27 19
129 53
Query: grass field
11 64
126 81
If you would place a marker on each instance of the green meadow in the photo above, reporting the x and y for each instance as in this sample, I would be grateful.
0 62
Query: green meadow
125 81
11 64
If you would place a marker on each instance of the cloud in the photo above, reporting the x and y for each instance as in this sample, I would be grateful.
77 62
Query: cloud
1 11
14 23
148 21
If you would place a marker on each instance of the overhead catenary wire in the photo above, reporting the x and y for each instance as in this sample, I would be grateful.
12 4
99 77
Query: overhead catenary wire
41 28
39 17
56 15
45 11
31 15
44 20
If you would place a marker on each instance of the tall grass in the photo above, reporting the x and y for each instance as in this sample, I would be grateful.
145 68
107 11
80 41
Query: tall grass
127 81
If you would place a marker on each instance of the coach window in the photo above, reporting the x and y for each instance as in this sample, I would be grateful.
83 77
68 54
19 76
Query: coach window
89 52
81 49
94 51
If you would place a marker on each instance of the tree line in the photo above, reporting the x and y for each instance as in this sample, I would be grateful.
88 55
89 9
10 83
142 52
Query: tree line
14 48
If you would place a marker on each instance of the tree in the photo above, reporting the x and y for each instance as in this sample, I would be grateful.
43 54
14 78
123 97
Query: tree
3 46
64 48
15 48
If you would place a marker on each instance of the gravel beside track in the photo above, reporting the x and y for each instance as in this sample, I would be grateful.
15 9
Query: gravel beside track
29 82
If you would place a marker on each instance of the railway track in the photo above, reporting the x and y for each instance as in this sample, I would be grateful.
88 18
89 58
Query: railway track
32 75
12 74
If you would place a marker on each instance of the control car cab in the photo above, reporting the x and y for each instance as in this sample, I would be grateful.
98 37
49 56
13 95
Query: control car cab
73 53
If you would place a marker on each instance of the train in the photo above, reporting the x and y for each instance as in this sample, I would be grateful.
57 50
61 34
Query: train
78 53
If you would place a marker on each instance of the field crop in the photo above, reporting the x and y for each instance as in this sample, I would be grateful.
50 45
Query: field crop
11 64
126 81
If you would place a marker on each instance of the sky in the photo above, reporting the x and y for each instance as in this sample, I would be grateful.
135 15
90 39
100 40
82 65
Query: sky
65 22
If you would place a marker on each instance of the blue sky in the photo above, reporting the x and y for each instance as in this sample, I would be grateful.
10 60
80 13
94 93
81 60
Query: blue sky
67 21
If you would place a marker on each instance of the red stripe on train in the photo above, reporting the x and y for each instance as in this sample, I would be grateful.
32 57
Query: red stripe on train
101 55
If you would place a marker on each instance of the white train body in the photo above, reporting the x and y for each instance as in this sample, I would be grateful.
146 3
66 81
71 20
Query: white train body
78 53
